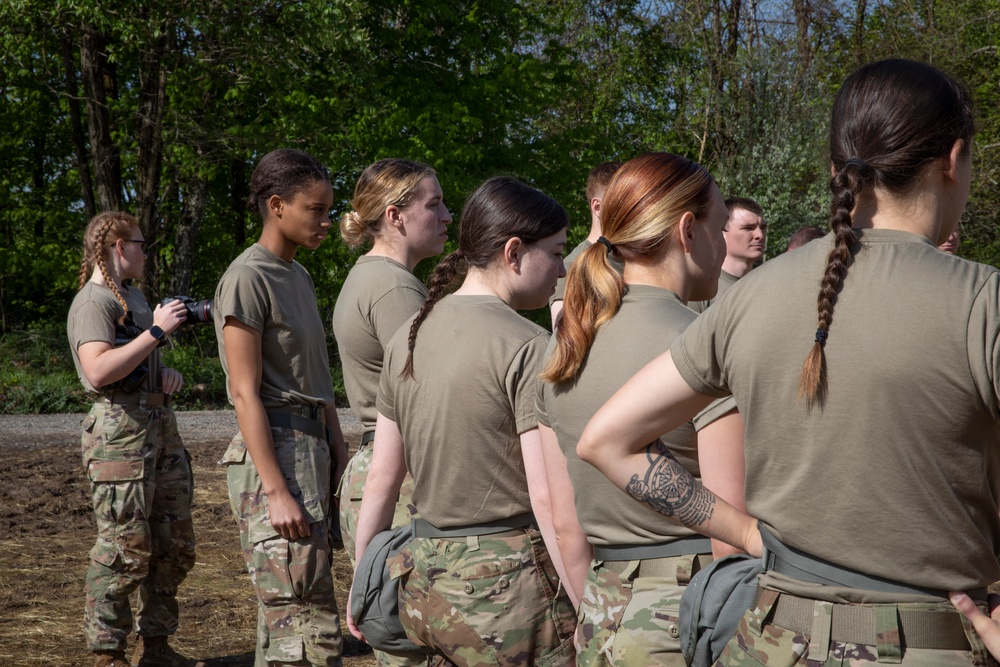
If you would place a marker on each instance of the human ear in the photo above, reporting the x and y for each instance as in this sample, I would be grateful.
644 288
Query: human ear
685 232
511 251
392 214
275 205
954 158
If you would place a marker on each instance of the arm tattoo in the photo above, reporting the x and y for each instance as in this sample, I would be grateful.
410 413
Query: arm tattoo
670 489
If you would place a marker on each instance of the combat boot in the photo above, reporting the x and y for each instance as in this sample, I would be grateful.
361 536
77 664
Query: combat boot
110 659
155 652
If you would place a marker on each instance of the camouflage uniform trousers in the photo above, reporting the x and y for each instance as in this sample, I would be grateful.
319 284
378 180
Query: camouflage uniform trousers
351 491
297 619
141 486
485 601
352 486
631 618
758 642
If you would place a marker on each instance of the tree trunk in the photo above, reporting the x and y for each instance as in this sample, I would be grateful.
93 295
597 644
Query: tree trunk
152 99
802 20
98 82
240 190
859 31
76 128
195 199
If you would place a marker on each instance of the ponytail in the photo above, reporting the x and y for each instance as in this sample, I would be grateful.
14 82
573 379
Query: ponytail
105 228
594 291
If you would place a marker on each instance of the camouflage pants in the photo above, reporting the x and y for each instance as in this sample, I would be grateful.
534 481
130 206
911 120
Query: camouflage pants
761 643
297 619
633 618
141 486
351 491
485 601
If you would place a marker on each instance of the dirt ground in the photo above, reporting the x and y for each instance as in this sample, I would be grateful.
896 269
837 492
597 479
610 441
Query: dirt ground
47 529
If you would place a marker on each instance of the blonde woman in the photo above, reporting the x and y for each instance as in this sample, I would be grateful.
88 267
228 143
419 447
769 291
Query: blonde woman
398 208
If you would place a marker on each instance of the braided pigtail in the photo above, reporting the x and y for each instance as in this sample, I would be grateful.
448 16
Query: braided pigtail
845 185
594 291
440 283
102 265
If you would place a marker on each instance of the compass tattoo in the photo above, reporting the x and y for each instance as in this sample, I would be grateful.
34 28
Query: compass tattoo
669 488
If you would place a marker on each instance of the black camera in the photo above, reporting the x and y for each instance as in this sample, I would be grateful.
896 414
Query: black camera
198 312
125 333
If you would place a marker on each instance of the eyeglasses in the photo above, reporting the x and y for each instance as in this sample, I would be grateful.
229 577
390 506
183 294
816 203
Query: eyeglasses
142 243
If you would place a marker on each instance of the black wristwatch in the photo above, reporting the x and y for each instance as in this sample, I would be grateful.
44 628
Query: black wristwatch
157 333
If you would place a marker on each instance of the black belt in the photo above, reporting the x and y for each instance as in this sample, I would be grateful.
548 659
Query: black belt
857 624
141 398
367 438
313 427
685 546
797 564
514 525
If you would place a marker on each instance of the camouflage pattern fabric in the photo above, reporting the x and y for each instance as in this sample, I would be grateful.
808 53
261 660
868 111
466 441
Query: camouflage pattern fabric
758 642
351 491
626 619
297 619
141 486
485 601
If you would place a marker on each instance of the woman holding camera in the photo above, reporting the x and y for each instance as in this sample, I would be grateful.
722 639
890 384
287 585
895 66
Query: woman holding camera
140 473
282 465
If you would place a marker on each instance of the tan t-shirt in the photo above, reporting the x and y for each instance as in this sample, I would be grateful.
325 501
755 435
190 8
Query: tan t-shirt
93 317
568 261
889 477
476 362
647 322
278 299
377 297
726 280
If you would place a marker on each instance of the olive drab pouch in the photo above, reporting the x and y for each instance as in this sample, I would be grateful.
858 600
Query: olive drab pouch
713 604
375 593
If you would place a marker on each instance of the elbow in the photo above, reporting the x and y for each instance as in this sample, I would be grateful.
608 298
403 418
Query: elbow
586 448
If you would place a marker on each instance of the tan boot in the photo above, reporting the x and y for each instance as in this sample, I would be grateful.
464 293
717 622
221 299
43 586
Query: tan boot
155 652
110 659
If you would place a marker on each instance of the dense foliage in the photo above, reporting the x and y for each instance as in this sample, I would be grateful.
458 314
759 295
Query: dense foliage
162 107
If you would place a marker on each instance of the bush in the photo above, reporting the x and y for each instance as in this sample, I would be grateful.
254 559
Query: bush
37 374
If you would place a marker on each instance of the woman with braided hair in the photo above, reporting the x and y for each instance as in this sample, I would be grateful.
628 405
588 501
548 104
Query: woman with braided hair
140 473
869 463
456 408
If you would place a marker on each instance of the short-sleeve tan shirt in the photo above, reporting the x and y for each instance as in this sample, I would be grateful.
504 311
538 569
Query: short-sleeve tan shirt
377 297
476 362
890 476
278 299
646 323
92 318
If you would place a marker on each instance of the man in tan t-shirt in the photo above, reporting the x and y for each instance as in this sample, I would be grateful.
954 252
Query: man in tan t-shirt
746 241
597 183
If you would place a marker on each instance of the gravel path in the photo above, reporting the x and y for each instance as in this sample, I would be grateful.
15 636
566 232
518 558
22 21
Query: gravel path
37 431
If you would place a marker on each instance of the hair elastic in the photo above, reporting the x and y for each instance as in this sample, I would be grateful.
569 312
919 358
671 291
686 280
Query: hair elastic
821 335
857 162
607 244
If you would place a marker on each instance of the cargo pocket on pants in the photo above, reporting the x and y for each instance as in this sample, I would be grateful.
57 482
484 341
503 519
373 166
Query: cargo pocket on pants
285 650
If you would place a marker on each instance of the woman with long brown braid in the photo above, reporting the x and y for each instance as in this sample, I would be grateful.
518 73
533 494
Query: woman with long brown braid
456 409
139 471
868 465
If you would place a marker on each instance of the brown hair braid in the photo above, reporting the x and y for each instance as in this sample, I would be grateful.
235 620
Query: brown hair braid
104 230
890 121
500 209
